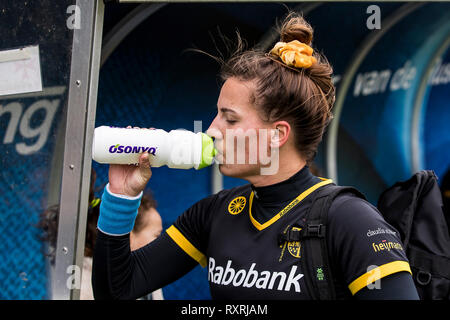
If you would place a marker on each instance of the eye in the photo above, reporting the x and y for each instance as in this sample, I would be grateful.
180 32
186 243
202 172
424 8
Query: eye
231 121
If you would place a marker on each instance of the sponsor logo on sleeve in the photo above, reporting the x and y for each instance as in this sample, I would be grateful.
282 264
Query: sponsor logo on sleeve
371 233
385 245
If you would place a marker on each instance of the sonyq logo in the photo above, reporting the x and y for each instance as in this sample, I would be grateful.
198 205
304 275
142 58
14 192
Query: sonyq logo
131 149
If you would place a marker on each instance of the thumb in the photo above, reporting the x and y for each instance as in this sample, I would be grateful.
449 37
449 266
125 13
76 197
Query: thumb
144 165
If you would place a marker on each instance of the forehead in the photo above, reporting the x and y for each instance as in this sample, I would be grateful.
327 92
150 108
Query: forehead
236 95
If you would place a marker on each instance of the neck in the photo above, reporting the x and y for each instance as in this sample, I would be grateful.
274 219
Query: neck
287 169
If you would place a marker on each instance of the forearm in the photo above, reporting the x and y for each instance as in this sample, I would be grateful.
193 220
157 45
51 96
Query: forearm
112 269
119 273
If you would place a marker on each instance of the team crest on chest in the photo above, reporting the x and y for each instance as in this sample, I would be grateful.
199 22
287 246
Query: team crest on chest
237 205
294 246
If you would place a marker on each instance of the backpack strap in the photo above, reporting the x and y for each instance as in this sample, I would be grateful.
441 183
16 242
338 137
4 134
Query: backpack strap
428 264
315 259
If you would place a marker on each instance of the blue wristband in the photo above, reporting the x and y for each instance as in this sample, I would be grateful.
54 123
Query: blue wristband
117 213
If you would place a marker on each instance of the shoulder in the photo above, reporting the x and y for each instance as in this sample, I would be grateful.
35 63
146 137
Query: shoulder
355 223
352 209
351 218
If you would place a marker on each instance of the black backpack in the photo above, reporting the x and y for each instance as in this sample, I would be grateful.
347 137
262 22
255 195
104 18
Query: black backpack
413 207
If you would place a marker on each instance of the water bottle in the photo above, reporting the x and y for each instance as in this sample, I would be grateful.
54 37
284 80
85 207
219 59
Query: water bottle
181 149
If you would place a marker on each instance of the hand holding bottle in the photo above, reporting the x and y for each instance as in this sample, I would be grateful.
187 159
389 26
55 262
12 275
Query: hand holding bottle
129 179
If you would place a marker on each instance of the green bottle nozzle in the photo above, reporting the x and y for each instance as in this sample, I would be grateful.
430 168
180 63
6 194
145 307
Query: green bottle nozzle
208 151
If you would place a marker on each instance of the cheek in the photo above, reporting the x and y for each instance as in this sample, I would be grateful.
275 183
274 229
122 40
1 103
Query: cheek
245 147
264 144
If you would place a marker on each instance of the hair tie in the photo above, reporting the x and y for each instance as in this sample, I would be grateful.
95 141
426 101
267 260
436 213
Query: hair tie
294 54
94 203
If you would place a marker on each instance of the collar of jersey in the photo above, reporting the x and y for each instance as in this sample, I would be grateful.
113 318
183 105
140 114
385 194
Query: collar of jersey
286 190
287 208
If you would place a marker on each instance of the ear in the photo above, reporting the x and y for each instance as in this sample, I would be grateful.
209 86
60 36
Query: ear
280 133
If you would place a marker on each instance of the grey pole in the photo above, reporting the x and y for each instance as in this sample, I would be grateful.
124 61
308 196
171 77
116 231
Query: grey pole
77 150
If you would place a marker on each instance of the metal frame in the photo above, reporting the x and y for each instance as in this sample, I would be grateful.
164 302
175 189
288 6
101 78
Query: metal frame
347 78
80 119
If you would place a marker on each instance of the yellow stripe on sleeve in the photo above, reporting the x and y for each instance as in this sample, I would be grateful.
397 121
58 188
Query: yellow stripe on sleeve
378 273
187 247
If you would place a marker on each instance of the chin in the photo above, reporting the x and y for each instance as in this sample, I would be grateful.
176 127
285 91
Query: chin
238 170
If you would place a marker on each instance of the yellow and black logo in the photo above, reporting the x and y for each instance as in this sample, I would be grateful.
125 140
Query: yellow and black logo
294 246
386 245
237 205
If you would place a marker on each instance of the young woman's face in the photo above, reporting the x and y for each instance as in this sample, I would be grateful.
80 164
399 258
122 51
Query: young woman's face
242 138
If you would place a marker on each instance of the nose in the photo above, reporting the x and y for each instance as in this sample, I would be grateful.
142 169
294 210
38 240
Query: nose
213 130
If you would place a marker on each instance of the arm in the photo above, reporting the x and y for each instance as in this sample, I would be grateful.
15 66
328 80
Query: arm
121 273
118 272
397 286
366 249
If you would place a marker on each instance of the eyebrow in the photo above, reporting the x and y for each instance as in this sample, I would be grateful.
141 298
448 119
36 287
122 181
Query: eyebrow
225 110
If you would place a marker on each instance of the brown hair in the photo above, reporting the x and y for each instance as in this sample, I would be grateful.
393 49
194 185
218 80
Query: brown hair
303 97
48 224
147 202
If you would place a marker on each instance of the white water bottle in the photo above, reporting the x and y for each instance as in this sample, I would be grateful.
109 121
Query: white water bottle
179 149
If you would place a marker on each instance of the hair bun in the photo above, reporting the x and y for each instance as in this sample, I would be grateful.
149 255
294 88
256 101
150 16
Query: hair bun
296 28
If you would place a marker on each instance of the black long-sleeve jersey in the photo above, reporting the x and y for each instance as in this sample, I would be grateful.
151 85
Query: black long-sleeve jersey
234 233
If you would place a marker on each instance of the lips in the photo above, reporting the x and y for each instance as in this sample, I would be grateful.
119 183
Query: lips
219 156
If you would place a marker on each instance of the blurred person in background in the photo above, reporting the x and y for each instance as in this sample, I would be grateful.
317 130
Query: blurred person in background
147 227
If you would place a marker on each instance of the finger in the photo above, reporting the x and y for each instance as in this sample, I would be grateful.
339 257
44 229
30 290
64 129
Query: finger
152 128
128 127
144 165
144 160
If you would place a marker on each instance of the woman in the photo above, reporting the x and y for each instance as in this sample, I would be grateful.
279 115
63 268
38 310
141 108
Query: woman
282 100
